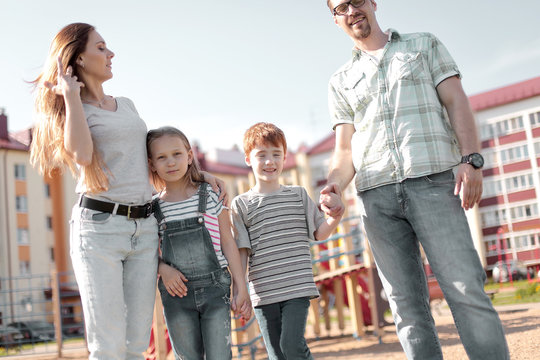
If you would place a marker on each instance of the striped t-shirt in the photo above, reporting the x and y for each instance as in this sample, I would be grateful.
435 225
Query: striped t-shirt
188 208
276 227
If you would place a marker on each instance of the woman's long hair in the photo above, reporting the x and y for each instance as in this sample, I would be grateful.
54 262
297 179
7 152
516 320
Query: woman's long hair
47 151
193 174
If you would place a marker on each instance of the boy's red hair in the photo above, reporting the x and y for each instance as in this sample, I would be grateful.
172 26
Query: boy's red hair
264 133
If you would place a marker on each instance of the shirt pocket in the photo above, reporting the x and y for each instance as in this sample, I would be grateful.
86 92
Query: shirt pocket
358 92
406 68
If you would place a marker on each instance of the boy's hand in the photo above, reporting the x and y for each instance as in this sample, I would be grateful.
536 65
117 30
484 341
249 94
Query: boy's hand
173 280
330 200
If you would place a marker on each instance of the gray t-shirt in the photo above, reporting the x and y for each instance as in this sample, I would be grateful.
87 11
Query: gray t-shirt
277 227
120 138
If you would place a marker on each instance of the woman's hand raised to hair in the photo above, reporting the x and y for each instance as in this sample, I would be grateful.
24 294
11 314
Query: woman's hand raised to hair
66 82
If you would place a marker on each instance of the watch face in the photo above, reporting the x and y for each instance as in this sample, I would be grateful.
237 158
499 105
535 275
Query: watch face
476 160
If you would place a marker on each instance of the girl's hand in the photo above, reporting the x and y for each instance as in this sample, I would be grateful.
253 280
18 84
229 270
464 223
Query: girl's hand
241 303
66 83
218 186
173 280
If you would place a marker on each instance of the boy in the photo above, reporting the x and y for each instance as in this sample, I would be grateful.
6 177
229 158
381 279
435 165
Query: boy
273 224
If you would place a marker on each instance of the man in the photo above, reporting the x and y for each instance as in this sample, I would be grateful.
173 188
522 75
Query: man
388 106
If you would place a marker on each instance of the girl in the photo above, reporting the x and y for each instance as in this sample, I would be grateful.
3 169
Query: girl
196 246
101 138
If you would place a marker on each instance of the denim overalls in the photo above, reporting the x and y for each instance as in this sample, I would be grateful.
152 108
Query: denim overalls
199 323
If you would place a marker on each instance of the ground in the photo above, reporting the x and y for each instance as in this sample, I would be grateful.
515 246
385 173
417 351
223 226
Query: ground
521 324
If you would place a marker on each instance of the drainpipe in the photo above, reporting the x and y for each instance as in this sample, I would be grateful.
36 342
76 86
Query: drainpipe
8 240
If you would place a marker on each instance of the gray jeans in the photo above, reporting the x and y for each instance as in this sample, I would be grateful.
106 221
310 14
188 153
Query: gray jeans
424 210
115 263
282 326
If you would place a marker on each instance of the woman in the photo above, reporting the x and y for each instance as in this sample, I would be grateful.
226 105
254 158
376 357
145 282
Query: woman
102 139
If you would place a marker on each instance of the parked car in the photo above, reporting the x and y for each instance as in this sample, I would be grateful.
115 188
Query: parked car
35 330
74 329
10 336
517 269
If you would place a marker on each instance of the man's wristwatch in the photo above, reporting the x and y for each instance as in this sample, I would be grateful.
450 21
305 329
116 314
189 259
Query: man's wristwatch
475 160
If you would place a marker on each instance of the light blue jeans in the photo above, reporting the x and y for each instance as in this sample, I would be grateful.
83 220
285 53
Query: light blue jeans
283 325
115 263
424 210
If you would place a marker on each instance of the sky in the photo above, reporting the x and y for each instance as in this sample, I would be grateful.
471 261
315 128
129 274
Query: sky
213 68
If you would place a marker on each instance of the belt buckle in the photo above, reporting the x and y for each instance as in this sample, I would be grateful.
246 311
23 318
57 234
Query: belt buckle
129 212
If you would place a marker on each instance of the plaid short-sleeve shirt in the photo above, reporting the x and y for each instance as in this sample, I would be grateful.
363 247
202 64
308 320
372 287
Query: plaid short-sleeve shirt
402 130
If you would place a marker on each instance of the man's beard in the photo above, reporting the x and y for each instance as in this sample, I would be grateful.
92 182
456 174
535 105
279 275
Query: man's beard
366 32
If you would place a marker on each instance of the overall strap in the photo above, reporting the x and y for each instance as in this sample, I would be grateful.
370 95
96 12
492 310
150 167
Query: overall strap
203 196
157 210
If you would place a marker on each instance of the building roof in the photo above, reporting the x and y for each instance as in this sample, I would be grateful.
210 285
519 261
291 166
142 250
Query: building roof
325 145
506 94
220 168
12 144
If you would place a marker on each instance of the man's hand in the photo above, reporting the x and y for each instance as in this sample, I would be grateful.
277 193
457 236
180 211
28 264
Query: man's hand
330 200
471 180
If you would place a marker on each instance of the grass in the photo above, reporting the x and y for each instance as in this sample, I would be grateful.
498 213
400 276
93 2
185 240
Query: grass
519 292
14 350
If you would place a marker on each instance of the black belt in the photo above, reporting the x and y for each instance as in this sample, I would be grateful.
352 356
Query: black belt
132 212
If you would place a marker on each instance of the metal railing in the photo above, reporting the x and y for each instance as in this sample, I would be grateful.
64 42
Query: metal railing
39 313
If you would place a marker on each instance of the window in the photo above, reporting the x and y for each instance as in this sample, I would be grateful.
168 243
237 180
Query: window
47 191
21 203
500 128
20 172
493 217
492 188
523 211
49 223
524 241
535 118
513 154
490 160
491 246
519 182
24 267
22 237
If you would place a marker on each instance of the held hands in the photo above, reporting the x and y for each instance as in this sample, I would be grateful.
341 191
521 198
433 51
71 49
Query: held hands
471 180
66 83
241 304
330 200
173 280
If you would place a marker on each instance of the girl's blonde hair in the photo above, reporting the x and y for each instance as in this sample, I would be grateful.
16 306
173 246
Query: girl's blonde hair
193 174
47 151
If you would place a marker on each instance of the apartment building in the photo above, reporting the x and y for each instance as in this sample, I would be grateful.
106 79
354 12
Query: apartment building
508 119
27 225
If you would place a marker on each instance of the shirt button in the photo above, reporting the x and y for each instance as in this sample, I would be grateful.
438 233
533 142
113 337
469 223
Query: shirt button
200 220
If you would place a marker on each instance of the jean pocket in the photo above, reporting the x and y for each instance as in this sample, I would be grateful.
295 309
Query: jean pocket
223 281
443 178
95 217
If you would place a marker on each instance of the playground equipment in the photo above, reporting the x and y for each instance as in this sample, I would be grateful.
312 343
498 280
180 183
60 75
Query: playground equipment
345 272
